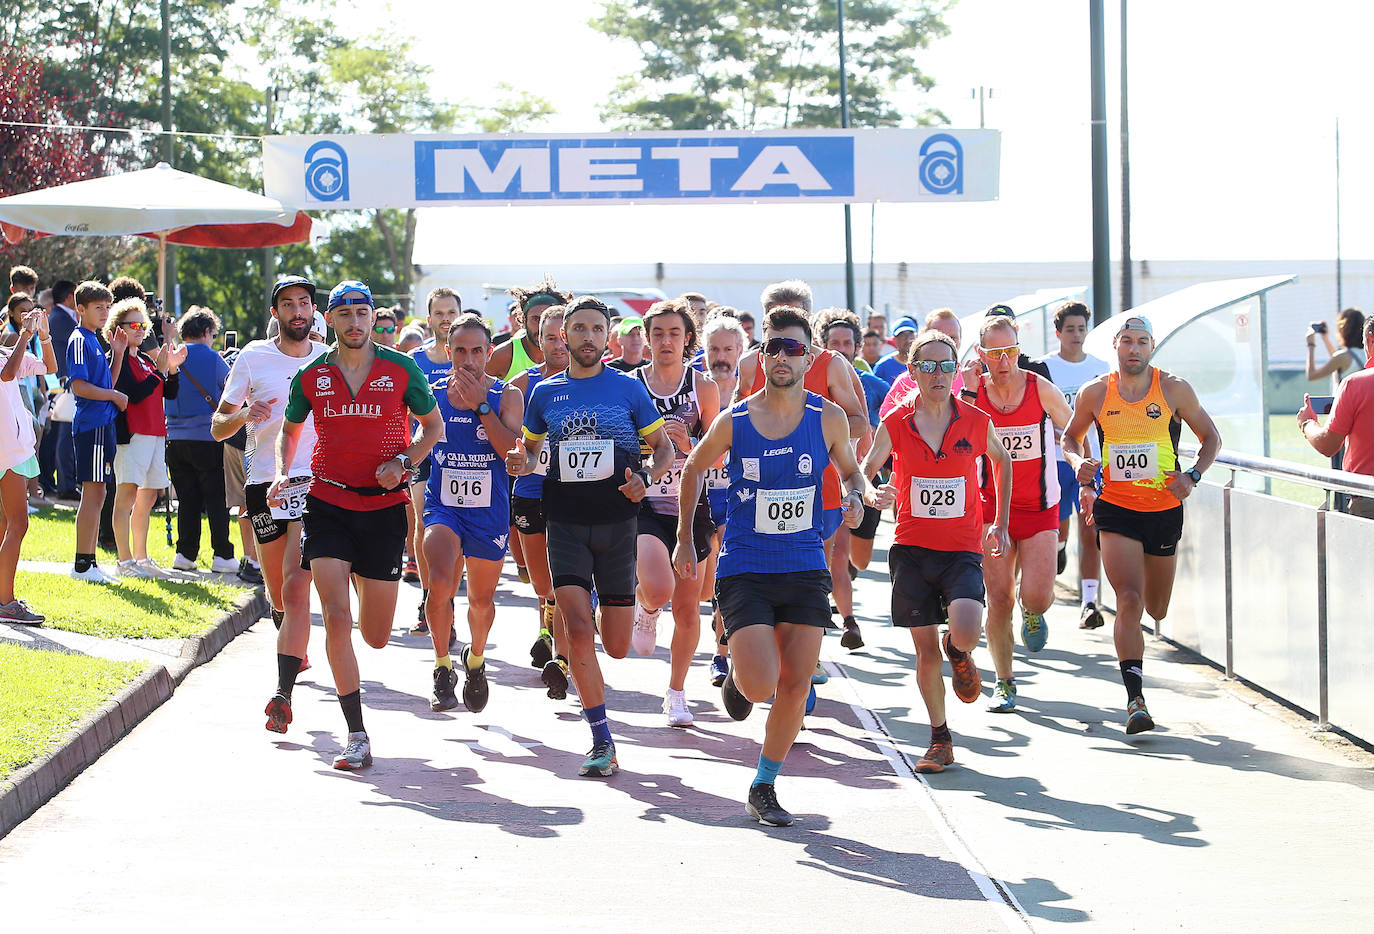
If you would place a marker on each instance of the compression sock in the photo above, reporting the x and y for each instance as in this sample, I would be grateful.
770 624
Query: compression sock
768 771
84 562
288 666
1089 590
352 705
475 661
1133 676
954 653
849 621
443 662
940 734
601 728
277 617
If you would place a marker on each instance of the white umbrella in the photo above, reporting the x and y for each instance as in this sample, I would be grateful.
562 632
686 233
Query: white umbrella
155 202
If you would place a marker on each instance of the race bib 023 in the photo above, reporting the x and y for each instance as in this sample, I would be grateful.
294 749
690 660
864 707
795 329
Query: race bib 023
1023 442
582 460
779 512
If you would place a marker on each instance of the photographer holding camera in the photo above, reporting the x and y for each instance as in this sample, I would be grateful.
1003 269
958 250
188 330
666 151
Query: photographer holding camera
1348 358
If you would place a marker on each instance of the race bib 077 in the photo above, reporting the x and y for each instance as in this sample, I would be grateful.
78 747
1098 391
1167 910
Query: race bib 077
582 460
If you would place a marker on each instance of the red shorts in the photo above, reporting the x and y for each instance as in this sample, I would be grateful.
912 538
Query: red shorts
1024 524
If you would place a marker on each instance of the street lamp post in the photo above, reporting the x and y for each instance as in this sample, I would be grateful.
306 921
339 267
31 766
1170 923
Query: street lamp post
844 123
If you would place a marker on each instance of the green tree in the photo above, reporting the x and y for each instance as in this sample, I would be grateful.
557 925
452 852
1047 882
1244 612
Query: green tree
750 64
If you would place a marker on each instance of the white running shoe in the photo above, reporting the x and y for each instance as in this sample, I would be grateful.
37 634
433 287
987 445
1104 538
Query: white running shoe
132 568
356 755
92 575
224 566
675 708
644 637
183 563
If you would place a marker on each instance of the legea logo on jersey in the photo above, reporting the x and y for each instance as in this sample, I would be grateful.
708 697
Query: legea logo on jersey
381 382
326 172
942 165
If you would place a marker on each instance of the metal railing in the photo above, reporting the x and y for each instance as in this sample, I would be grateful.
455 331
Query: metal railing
1296 582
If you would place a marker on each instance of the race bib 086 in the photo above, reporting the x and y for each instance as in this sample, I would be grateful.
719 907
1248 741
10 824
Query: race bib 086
582 460
778 512
937 497
1133 461
1023 442
465 488
292 500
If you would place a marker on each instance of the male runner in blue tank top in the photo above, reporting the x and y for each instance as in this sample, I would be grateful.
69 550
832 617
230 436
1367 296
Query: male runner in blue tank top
593 418
772 582
467 507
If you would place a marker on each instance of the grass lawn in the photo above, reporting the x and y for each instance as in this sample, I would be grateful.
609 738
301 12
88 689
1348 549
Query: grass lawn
44 694
1286 443
51 531
132 608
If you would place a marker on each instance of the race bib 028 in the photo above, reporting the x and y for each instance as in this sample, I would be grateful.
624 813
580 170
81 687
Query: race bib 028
937 497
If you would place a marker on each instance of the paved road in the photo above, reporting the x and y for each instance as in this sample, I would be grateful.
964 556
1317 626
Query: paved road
1232 815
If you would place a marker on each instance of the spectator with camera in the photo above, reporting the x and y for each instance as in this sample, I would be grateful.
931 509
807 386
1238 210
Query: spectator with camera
1342 361
1351 425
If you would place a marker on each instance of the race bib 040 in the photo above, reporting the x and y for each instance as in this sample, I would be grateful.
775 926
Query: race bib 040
778 512
937 497
292 500
465 488
582 460
1133 461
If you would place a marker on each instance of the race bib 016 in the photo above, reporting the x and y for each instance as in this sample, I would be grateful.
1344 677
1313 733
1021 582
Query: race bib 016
779 512
937 497
292 500
1023 442
1133 461
465 488
582 460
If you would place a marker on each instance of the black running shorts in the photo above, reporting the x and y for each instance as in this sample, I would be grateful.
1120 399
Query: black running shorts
925 582
604 555
265 528
371 541
754 599
1157 532
527 515
664 528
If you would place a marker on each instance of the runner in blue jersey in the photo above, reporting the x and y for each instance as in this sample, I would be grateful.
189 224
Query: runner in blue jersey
771 578
442 308
549 653
467 507
592 417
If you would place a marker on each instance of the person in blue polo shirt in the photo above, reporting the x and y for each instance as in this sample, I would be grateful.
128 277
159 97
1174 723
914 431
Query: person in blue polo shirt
891 366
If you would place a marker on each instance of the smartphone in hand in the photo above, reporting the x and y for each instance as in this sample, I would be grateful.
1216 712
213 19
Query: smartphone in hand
1321 405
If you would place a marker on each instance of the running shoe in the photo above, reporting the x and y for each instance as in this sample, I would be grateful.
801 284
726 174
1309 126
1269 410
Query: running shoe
167 573
736 704
132 568
675 708
305 665
853 573
762 805
851 637
820 675
278 714
546 611
357 753
936 758
1035 630
220 565
183 563
720 667
419 629
523 573
92 575
644 638
1062 561
968 684
600 761
445 680
1138 719
476 691
1003 696
1091 617
249 572
18 612
811 700
555 678
411 574
542 650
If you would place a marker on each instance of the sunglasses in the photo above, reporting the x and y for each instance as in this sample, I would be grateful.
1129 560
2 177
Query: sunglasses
784 346
995 353
930 366
135 325
381 330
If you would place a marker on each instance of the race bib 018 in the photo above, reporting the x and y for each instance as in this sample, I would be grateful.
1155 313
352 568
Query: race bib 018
292 500
582 460
1023 442
718 478
1133 461
779 512
465 488
937 497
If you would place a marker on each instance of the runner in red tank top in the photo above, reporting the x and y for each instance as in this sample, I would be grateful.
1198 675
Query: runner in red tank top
1025 410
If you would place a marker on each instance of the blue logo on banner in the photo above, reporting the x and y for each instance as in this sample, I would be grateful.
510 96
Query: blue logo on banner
326 172
942 165
634 168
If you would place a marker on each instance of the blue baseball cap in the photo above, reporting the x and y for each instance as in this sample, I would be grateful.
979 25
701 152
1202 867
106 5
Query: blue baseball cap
903 325
338 293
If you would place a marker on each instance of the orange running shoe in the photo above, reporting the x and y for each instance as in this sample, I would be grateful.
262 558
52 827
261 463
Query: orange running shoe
968 684
936 758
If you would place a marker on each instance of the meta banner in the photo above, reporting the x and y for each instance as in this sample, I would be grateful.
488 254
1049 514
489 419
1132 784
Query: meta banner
819 166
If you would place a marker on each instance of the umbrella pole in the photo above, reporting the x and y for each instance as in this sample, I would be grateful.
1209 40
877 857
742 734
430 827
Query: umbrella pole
162 269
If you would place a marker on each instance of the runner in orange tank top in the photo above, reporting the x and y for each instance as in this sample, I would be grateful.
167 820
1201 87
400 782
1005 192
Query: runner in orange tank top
1139 515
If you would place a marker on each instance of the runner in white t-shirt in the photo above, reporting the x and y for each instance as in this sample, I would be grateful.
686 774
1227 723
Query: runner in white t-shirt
255 395
1070 369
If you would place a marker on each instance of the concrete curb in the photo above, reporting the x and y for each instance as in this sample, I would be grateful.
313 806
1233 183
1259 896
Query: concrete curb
28 789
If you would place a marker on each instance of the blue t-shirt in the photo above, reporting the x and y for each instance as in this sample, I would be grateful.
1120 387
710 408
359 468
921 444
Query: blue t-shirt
531 485
86 360
774 523
889 368
188 414
875 391
592 427
468 473
433 371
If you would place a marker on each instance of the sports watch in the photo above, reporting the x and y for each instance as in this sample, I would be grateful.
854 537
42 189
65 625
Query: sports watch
405 461
483 408
1192 473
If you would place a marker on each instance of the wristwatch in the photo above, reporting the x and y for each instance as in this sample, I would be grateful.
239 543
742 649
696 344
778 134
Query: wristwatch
483 408
405 461
644 475
1192 473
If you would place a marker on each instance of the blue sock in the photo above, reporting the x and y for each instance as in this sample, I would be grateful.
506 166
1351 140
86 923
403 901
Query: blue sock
601 728
768 771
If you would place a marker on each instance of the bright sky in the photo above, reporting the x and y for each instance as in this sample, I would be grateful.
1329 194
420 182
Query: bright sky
1233 108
